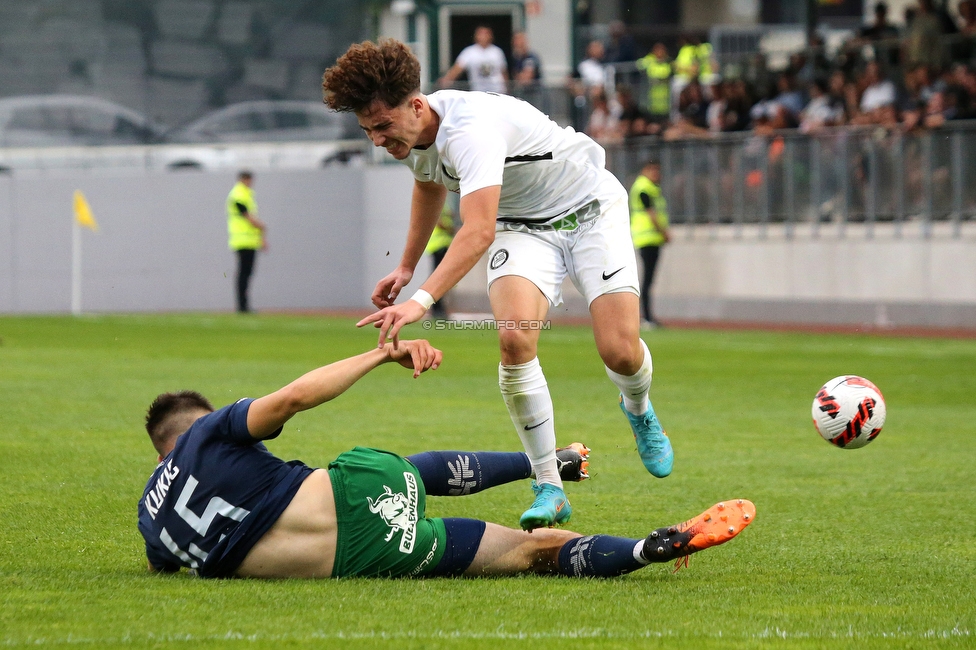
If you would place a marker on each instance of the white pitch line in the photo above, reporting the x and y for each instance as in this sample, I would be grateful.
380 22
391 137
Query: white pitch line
584 633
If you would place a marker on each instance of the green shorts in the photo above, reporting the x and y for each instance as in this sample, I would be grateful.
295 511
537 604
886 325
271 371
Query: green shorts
380 502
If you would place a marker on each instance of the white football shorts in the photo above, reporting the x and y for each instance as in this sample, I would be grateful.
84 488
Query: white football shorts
598 255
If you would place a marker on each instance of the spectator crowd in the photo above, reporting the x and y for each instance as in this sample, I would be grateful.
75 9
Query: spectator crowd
916 77
884 78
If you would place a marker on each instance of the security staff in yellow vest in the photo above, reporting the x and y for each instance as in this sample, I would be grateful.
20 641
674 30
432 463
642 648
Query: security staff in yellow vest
657 67
440 239
649 229
686 61
694 61
246 233
686 68
706 65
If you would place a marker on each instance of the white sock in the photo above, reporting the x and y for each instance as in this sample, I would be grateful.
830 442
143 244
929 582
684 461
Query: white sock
635 387
526 395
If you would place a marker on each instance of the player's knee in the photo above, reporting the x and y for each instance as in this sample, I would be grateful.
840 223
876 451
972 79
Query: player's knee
516 346
623 357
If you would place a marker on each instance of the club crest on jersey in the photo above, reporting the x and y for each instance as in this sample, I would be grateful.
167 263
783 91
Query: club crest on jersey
399 511
498 259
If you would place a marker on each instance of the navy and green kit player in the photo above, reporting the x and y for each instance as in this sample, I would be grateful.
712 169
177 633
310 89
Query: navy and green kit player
221 504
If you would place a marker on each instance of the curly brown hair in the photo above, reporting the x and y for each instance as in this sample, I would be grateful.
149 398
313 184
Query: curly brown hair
368 71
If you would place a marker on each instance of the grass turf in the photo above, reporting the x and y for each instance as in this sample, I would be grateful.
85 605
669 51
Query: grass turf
861 548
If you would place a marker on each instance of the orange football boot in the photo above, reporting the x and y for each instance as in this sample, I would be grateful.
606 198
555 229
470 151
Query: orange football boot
715 526
573 462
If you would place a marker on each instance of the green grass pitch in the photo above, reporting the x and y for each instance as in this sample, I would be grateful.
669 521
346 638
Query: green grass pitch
865 548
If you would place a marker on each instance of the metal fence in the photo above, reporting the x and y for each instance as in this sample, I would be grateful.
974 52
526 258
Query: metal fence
842 175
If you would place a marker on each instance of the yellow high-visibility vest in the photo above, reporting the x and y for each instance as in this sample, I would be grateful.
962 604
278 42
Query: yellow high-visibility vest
241 233
685 62
441 237
659 87
642 228
704 54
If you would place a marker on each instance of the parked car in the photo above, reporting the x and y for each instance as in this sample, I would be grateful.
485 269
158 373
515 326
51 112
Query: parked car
268 121
266 133
257 155
72 120
40 134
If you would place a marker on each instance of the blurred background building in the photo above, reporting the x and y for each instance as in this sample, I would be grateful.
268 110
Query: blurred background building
173 59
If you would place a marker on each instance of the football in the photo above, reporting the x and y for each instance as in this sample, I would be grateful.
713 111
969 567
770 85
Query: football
849 411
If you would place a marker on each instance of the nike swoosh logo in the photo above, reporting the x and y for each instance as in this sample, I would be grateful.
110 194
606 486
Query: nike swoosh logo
607 277
536 426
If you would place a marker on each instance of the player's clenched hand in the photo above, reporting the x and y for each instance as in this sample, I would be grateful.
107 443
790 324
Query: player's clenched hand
387 289
391 319
418 355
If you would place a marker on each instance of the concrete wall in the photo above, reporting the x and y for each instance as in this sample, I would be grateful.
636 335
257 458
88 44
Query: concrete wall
334 232
550 34
836 277
840 276
703 14
162 242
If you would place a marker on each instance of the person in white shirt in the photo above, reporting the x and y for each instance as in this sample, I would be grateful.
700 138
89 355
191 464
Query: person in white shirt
539 201
879 91
591 72
484 62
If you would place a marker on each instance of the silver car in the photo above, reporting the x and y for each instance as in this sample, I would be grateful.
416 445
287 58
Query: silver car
265 134
268 121
72 120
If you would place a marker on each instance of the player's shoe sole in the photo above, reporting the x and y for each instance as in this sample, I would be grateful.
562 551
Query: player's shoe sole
550 507
715 526
653 444
573 462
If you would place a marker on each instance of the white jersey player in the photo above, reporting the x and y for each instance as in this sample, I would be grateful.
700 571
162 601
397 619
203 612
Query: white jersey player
538 199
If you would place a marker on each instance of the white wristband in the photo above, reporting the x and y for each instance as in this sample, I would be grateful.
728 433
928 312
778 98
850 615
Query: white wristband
425 299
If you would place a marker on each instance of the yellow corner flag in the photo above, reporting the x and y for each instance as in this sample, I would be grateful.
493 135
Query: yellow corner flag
83 213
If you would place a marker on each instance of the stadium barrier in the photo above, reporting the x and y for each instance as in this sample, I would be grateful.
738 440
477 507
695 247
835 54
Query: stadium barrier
839 176
766 252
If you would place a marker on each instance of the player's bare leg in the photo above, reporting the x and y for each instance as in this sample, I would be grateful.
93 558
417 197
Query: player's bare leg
616 329
514 301
503 551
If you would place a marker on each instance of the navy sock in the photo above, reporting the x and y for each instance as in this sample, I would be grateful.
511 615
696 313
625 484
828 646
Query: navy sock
598 556
453 473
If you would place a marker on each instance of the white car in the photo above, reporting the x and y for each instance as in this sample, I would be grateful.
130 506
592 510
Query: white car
257 156
268 121
268 134
41 134
72 120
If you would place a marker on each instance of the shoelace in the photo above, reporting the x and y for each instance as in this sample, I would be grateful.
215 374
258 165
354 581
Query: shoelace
680 562
584 470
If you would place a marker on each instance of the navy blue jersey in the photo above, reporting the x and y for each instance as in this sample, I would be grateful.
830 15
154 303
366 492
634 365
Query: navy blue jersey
215 495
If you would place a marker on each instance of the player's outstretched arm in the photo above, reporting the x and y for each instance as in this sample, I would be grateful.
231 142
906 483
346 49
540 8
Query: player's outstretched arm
478 212
267 414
